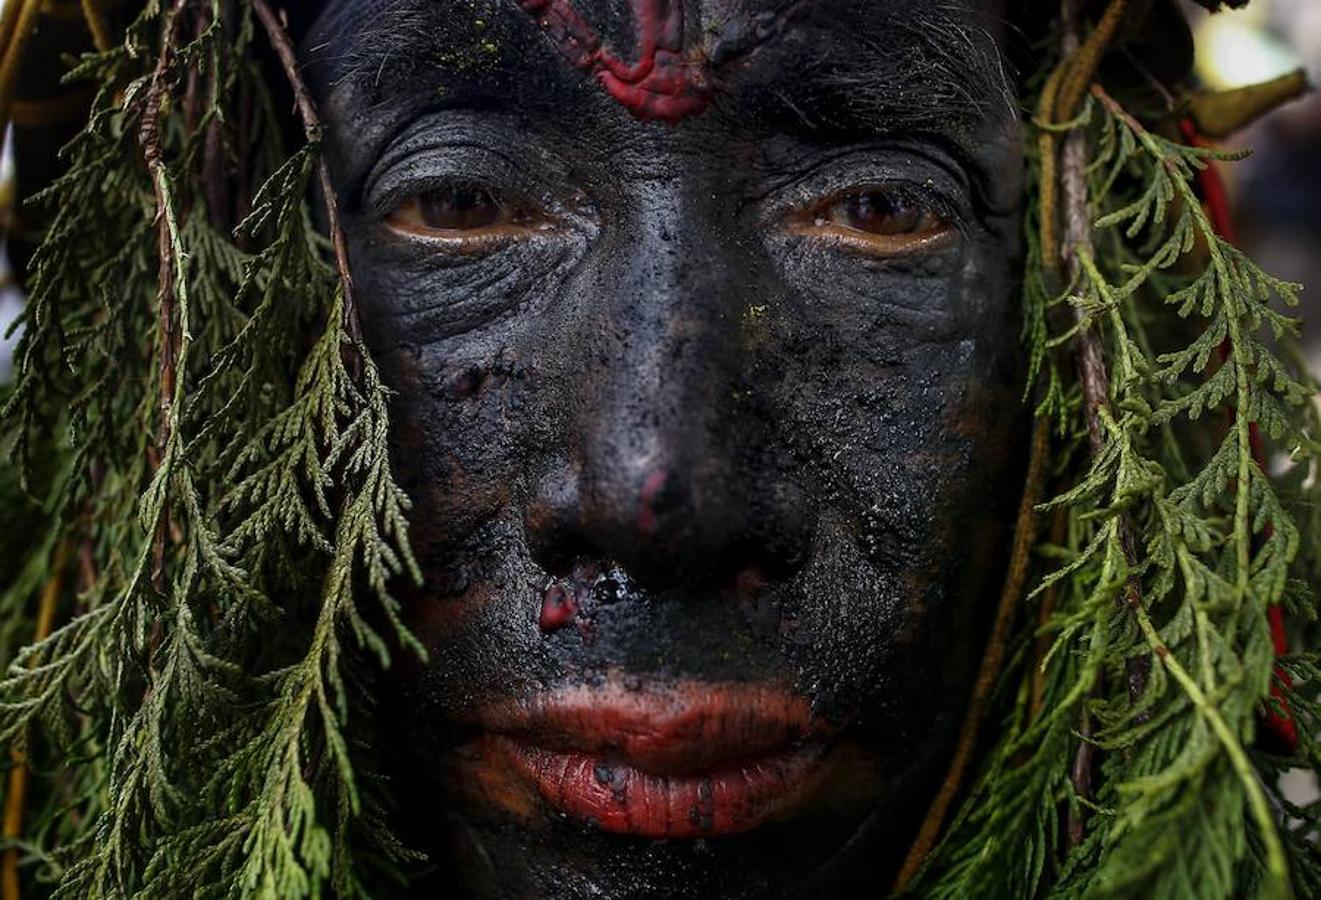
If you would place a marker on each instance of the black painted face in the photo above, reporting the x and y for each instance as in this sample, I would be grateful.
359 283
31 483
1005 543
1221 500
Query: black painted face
701 320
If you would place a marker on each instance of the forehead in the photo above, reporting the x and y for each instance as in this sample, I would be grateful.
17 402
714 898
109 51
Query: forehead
874 63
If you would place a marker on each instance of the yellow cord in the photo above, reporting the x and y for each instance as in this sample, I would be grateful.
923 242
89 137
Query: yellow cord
96 25
1025 534
16 794
12 51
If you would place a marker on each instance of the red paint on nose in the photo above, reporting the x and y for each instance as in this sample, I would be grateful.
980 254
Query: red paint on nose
651 489
558 608
664 84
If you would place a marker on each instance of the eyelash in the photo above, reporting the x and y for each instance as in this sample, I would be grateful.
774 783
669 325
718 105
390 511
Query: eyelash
481 241
803 198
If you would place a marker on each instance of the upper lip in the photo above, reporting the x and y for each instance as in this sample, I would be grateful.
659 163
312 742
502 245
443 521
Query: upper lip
661 728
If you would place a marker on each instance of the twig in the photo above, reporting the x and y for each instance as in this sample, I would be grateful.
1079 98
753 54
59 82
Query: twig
1081 777
1060 101
279 38
149 139
1258 805
1096 395
16 792
1025 533
1092 371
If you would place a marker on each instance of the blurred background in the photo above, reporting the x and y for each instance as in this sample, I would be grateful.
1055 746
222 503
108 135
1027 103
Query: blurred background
1276 192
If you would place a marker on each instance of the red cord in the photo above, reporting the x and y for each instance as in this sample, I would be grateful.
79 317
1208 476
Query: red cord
1212 188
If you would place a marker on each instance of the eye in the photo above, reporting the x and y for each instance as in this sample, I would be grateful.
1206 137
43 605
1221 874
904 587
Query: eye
462 213
878 221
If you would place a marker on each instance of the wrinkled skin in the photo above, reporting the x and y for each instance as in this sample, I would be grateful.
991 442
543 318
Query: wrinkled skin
799 459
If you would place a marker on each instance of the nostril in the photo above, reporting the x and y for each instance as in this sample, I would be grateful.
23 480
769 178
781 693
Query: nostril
612 588
666 519
573 598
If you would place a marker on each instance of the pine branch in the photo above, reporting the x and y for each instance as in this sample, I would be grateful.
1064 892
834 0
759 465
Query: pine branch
279 38
1192 536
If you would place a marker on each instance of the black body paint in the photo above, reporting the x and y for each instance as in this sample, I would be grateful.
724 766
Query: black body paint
800 462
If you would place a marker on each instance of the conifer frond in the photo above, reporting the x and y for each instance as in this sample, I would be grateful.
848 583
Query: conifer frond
1180 807
217 477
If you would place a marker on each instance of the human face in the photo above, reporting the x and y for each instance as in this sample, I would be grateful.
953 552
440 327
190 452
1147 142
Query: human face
699 318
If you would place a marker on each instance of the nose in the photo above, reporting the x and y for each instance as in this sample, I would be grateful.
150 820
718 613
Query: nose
668 473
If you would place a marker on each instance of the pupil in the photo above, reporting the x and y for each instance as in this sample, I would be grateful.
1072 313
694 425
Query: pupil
880 213
459 208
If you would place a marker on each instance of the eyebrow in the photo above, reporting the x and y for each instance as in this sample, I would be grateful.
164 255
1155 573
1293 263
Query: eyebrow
403 41
948 76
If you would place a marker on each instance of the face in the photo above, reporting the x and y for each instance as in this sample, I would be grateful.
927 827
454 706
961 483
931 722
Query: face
700 318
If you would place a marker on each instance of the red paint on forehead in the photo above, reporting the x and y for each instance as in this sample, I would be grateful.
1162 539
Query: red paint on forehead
664 84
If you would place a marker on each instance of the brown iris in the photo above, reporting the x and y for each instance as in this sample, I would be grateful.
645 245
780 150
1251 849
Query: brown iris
877 222
462 213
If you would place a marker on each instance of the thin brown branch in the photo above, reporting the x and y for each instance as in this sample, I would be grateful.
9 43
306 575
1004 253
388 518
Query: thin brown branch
1091 364
149 139
278 35
1060 100
1081 777
1092 372
1025 533
1096 395
202 96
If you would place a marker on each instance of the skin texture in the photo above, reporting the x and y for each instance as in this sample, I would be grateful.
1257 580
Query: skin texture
669 427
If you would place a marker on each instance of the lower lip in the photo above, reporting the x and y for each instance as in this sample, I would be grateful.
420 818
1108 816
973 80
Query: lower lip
619 798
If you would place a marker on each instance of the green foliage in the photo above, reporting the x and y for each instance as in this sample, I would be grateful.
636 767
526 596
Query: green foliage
225 488
1178 544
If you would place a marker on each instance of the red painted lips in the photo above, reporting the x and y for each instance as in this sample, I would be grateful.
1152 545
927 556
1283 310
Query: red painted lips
681 761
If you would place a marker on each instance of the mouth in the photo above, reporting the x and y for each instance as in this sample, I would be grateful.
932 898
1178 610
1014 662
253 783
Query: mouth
667 761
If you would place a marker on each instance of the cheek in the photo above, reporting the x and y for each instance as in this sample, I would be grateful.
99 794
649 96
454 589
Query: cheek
918 461
450 438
